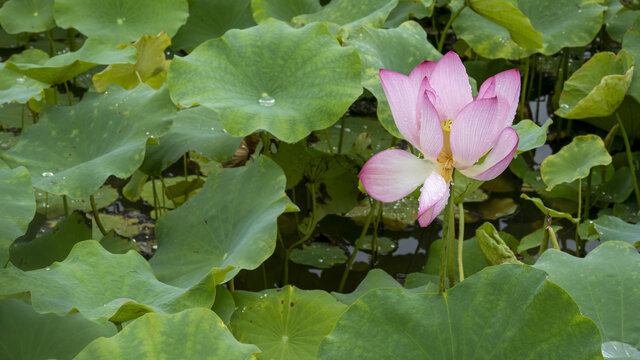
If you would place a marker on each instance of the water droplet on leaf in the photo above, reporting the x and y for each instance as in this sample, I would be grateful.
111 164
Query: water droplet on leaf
47 174
266 100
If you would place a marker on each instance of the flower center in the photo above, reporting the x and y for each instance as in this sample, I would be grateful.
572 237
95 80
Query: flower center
446 125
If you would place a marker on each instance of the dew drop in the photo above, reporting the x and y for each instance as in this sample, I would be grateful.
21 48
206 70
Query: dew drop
120 21
564 106
47 268
285 339
35 13
321 260
266 100
20 80
47 174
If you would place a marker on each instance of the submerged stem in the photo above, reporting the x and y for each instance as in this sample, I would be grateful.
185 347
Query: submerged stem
629 159
460 240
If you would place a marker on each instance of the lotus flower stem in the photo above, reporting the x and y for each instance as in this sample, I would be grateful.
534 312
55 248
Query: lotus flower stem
460 240
155 197
629 159
544 245
52 44
66 89
358 244
523 93
451 234
96 215
312 226
186 177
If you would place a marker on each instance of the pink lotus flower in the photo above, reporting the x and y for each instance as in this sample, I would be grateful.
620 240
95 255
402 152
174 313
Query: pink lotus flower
434 110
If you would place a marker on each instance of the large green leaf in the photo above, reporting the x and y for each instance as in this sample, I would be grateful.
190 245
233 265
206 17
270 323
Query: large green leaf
17 87
350 14
286 323
73 149
18 16
375 279
530 135
17 207
121 21
102 286
282 9
502 312
598 87
399 49
605 286
231 224
270 77
507 15
54 245
192 334
61 68
631 43
409 10
196 129
618 19
548 17
27 335
210 19
613 228
574 161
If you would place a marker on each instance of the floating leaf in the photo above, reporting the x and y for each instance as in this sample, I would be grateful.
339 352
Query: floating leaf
399 50
507 15
121 21
222 239
27 335
251 88
598 87
73 149
548 17
613 228
34 16
496 208
210 19
16 208
54 245
530 135
375 279
409 10
350 15
384 244
484 317
197 129
286 323
319 255
150 67
61 68
191 334
604 284
354 128
574 161
117 288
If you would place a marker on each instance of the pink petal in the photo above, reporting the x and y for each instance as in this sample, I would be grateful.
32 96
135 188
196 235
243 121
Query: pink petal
431 136
422 71
450 81
393 174
498 159
506 87
474 131
433 198
402 96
